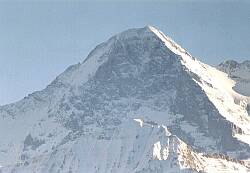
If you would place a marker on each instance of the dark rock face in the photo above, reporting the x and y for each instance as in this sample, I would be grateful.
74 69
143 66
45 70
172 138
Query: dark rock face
229 66
248 109
32 143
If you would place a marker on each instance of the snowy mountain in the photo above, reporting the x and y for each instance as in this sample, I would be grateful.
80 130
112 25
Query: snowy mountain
240 72
139 103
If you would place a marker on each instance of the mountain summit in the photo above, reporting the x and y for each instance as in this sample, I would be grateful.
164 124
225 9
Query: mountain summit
139 103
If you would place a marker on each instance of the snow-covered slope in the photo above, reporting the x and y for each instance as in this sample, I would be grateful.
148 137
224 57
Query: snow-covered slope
240 72
138 103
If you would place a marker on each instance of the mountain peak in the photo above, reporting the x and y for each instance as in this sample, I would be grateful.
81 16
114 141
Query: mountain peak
150 31
134 46
90 110
240 73
138 32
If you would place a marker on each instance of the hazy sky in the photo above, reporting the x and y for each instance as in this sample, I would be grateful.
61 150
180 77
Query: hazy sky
39 40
